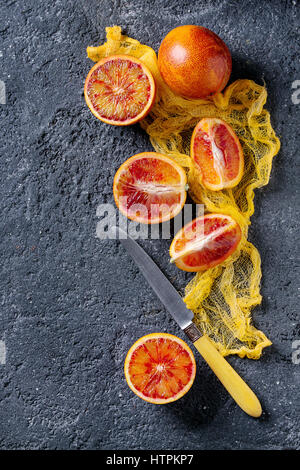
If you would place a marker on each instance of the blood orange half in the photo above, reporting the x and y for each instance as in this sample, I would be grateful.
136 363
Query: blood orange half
150 188
160 368
205 242
217 153
119 90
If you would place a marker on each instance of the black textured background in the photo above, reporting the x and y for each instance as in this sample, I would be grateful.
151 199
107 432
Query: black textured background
72 305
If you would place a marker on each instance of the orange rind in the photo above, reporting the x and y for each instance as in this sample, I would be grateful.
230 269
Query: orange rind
217 154
205 242
119 90
150 188
160 368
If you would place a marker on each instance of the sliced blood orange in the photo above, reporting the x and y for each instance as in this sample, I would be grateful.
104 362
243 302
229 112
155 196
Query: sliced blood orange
160 368
150 188
205 242
217 153
119 90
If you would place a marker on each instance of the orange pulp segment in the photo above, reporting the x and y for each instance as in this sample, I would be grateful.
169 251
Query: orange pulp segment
205 242
150 188
217 154
119 90
160 368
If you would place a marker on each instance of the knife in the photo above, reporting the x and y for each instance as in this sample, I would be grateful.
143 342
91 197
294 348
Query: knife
234 384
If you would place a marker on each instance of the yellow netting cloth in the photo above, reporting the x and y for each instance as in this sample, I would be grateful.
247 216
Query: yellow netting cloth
221 297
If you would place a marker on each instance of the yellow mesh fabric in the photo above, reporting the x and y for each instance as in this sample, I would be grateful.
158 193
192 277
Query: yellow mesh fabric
221 297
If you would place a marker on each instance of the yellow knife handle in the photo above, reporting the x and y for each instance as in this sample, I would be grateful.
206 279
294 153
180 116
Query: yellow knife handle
233 383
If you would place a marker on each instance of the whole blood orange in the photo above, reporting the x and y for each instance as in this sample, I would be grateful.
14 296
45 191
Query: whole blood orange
194 62
217 153
150 188
205 242
119 90
160 368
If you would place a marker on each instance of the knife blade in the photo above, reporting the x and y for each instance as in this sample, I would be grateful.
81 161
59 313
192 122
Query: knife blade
159 283
173 302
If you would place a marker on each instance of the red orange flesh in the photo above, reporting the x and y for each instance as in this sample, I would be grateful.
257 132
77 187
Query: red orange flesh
150 188
194 62
217 153
160 368
205 242
119 90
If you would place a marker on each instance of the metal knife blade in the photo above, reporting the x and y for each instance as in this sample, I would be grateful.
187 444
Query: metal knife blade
157 280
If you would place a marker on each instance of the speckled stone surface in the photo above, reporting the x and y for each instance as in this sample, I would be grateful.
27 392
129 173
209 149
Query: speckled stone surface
71 304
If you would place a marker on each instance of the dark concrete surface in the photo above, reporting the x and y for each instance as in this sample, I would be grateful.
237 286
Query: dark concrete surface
71 304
